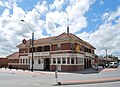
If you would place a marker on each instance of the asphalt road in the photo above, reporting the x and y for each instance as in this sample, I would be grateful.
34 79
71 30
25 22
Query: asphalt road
109 84
13 78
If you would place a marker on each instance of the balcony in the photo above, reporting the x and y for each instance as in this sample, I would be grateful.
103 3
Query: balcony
89 55
40 54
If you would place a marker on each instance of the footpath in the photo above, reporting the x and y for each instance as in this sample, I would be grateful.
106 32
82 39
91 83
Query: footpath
91 76
88 76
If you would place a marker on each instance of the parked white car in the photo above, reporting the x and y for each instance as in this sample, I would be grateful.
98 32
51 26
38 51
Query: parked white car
113 64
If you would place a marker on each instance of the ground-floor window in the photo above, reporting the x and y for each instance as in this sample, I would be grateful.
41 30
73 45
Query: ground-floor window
72 60
54 60
80 60
26 61
29 61
59 60
39 61
20 60
63 60
23 61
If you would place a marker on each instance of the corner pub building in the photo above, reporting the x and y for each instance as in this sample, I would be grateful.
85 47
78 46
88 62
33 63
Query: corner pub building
65 52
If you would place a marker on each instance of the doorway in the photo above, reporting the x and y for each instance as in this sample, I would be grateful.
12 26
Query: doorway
46 64
85 64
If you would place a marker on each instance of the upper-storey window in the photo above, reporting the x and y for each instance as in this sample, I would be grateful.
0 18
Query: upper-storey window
59 46
46 48
23 50
39 49
92 51
82 48
30 50
72 46
89 50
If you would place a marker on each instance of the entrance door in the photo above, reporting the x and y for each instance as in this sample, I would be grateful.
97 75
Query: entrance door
46 64
85 64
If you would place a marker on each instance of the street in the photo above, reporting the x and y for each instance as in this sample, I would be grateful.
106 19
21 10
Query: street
110 84
14 78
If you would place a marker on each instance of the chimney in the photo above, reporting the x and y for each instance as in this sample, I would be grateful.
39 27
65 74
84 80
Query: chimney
68 30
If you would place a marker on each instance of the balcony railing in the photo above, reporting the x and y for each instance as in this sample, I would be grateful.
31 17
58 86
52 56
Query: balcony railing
89 54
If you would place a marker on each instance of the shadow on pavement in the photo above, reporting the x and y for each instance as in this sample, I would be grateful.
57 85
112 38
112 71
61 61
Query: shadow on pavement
88 71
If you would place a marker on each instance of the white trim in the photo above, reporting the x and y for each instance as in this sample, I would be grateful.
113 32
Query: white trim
47 53
17 64
67 55
61 51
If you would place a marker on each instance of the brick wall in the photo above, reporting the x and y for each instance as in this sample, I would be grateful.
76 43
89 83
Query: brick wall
54 47
3 62
24 67
68 68
13 60
65 46
52 67
72 68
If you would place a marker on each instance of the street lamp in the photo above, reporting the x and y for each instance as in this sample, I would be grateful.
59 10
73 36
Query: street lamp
32 42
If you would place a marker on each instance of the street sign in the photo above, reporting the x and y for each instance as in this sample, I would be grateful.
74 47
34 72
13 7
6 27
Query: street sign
24 41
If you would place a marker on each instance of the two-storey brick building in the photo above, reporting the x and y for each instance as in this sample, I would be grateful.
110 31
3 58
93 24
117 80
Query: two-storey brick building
65 52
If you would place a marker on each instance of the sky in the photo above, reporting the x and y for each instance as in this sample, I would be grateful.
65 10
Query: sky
94 21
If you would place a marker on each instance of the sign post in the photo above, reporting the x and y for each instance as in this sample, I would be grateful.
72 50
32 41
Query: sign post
56 76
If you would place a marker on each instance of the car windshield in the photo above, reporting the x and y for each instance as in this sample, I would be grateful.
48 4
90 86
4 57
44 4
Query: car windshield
111 63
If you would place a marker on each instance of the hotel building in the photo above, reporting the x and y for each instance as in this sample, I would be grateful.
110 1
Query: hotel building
65 52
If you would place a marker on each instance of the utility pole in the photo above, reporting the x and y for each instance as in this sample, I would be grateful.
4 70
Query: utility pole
106 54
32 43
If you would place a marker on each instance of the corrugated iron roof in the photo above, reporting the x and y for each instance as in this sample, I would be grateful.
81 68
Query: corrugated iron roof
63 36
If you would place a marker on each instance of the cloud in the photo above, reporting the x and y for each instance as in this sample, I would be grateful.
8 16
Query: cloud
1 3
75 10
107 36
114 14
12 30
57 5
43 17
42 8
52 18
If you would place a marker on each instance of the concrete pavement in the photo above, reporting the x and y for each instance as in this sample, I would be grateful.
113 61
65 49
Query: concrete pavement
88 76
91 80
73 82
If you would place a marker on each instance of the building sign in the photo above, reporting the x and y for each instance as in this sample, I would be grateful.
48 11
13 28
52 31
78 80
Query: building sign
24 41
40 54
77 48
